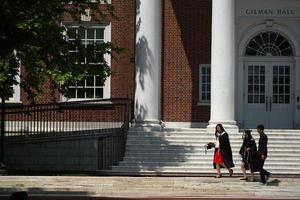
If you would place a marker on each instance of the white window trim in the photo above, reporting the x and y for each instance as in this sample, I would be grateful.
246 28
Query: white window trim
108 2
16 98
107 83
202 102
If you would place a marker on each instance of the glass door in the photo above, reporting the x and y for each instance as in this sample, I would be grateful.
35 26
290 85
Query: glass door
268 98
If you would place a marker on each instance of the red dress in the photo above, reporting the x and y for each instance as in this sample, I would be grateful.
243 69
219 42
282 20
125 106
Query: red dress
218 157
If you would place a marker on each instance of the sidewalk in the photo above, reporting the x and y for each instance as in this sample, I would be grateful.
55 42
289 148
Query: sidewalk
149 187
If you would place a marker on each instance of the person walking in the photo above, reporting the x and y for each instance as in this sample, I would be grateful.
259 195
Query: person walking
223 152
262 154
248 153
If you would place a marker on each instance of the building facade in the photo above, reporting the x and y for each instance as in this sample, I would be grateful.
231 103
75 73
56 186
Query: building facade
238 59
194 63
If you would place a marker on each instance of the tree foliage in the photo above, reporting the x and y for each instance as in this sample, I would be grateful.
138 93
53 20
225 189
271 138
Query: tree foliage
32 35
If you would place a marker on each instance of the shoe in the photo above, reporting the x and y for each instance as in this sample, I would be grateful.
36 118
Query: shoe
252 180
268 176
244 179
263 183
218 176
230 172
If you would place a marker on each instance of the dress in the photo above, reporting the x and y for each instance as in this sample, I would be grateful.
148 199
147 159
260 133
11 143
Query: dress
218 159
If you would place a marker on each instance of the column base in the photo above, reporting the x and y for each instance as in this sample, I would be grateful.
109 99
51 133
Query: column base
156 125
230 126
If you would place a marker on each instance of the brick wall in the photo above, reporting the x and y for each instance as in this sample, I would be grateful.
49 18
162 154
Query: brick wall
122 82
186 44
122 35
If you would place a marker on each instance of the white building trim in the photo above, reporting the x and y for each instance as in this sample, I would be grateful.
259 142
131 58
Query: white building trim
254 29
250 31
107 57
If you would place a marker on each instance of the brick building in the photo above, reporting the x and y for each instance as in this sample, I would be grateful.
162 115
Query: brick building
195 63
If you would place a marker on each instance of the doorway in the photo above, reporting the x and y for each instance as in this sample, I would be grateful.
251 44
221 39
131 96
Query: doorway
268 79
268 94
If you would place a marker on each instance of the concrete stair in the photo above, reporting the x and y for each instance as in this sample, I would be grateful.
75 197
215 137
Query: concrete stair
181 151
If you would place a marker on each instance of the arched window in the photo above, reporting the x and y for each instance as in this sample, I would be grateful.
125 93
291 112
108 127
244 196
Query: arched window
269 44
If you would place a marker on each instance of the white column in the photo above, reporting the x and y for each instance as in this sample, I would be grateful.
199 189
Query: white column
223 64
148 62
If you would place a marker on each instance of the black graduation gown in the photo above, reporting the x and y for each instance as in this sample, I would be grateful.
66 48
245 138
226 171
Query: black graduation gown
225 150
250 157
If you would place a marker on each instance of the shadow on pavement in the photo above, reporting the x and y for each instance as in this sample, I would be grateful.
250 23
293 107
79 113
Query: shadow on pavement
274 182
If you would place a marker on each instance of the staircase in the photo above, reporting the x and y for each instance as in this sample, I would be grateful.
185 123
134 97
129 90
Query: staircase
181 152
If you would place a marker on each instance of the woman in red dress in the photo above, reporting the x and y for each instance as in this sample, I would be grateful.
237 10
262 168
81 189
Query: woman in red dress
223 152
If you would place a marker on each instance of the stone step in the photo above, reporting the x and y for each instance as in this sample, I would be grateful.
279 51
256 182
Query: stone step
194 142
206 167
168 158
174 154
168 169
182 151
194 148
202 163
206 136
167 130
207 161
204 131
202 153
202 143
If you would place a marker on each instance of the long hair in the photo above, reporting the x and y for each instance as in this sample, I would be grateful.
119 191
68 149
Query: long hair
247 138
221 127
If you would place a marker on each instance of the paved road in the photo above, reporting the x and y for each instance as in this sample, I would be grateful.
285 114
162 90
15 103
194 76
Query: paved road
92 188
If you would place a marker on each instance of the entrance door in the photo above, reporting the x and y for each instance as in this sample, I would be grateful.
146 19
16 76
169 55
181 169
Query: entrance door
268 97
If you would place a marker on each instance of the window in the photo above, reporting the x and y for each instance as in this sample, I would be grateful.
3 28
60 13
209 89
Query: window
92 87
269 44
256 84
204 83
281 84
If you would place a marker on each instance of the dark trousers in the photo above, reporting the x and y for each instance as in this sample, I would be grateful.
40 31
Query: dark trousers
263 173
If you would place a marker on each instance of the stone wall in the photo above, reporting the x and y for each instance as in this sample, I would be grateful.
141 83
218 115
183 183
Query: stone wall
65 155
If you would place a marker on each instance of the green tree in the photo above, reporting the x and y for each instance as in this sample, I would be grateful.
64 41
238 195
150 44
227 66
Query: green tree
32 35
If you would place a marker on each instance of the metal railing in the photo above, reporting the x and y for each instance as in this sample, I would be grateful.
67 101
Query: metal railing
107 119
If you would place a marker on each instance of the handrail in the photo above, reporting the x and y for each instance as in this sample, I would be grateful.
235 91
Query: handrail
88 115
